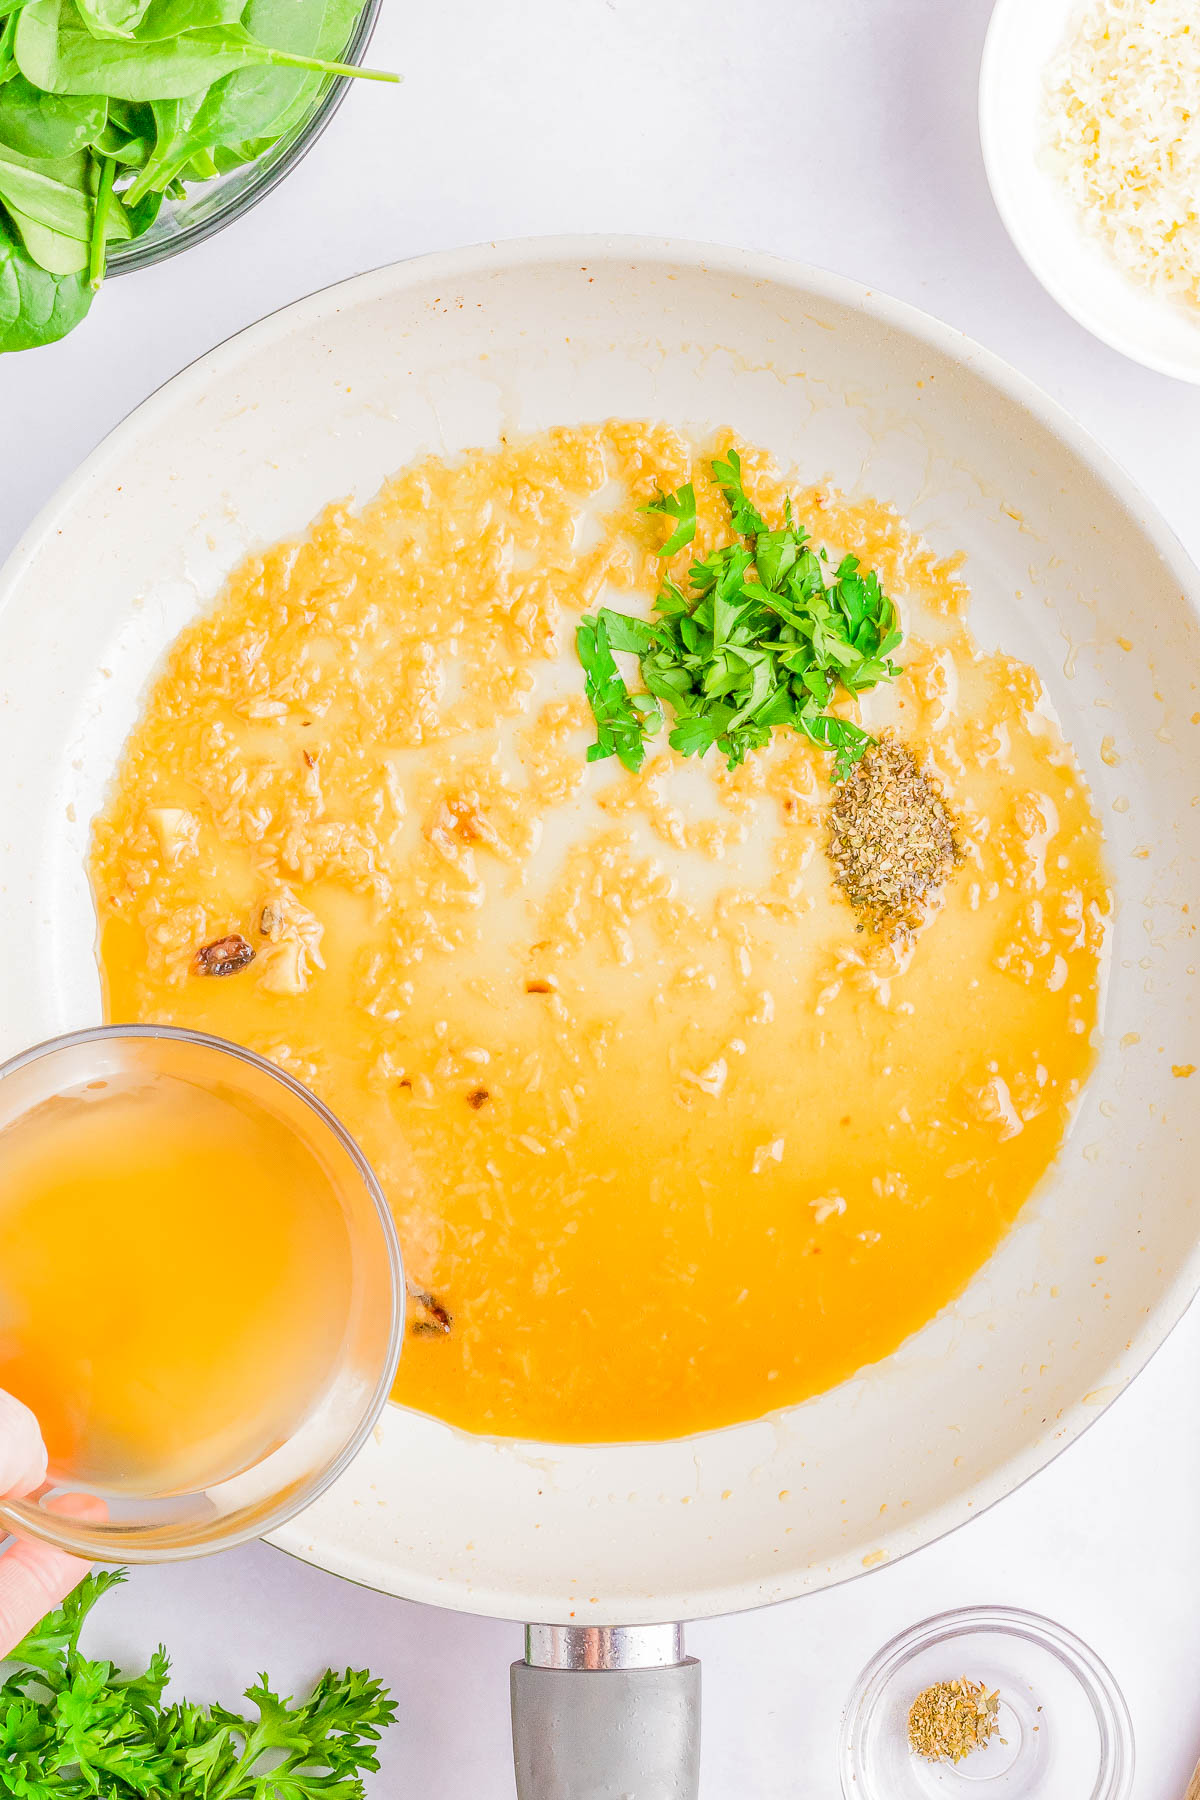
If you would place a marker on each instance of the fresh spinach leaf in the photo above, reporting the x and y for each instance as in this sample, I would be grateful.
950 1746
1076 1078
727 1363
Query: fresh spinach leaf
55 51
36 307
142 216
241 115
129 135
130 152
52 250
256 102
104 210
173 147
54 194
112 18
37 124
8 62
171 18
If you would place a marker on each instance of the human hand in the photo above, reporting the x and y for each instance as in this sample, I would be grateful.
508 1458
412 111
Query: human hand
33 1577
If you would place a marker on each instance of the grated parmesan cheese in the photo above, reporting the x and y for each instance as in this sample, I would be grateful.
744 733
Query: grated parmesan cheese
1124 98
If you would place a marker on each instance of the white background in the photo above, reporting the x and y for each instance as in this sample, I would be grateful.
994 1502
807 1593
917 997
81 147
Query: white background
837 131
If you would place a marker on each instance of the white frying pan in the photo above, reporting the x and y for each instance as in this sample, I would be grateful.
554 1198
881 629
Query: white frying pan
1071 570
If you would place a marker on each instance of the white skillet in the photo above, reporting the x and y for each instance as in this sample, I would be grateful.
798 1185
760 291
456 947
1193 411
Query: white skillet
1071 570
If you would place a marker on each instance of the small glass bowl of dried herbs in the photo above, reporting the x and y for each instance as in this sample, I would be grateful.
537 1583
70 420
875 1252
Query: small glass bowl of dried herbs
986 1701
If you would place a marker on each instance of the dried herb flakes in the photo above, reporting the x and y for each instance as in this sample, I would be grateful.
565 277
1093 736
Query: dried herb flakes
951 1719
892 838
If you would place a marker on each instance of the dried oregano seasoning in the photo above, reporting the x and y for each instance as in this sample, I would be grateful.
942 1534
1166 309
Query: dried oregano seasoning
892 838
950 1719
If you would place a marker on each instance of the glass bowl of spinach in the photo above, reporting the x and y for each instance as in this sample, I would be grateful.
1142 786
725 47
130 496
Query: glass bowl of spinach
133 129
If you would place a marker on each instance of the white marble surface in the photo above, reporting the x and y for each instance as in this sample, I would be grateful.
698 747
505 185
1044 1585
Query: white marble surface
842 132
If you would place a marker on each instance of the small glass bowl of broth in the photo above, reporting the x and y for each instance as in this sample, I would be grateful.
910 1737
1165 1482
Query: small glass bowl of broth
201 1294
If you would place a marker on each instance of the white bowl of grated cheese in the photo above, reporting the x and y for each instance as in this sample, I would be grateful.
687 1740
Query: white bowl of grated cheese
1089 117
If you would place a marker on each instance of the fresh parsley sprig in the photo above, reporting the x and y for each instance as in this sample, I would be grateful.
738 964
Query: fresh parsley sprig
746 520
761 639
72 1726
680 506
623 720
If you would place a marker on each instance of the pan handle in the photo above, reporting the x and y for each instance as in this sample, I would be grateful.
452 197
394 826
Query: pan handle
606 1713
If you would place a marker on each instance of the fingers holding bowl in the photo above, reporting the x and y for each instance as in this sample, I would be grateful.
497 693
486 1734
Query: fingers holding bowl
33 1576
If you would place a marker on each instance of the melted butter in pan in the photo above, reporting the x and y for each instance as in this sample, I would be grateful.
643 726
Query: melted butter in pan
668 1138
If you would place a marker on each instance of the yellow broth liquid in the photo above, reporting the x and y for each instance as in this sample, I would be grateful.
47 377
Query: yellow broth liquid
174 1280
669 1139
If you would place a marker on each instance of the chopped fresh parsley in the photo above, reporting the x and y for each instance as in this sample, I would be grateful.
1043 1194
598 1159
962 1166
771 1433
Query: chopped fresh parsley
623 720
746 520
72 1726
760 638
681 507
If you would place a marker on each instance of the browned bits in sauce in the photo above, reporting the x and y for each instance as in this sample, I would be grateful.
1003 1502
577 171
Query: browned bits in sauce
478 1097
224 956
540 985
436 1320
310 759
460 819
892 838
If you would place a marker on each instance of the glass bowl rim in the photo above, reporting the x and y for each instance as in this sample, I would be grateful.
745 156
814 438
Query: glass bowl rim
1114 1780
144 253
100 1540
